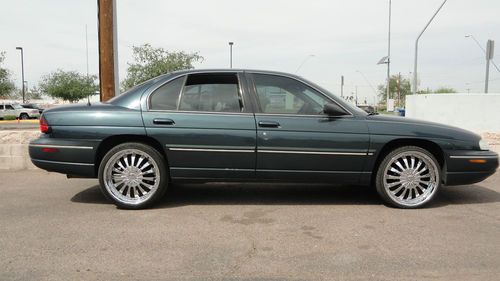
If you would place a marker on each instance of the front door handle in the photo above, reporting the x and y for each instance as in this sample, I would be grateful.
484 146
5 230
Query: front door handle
269 124
163 121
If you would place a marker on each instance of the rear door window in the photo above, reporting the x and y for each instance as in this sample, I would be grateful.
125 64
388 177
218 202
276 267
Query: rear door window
212 92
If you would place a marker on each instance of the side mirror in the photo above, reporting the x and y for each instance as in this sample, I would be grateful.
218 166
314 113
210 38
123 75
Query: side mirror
333 109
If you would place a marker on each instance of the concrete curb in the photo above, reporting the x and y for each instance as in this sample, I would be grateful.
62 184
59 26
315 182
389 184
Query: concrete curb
15 157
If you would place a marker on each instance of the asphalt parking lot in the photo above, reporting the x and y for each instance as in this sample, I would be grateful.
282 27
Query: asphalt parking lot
52 228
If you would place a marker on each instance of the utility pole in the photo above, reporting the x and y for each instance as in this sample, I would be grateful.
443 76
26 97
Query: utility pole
414 86
342 86
108 51
490 47
87 49
399 89
389 57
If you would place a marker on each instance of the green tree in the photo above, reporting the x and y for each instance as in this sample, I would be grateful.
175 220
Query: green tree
7 87
68 85
404 89
150 62
444 90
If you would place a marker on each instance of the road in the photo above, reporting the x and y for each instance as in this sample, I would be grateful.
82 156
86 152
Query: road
52 228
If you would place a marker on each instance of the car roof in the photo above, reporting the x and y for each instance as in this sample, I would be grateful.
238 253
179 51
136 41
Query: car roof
208 70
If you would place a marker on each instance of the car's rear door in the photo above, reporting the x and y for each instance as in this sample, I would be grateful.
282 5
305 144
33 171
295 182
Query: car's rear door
295 140
206 125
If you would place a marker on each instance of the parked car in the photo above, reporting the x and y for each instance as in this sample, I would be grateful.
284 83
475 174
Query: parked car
33 106
246 125
14 109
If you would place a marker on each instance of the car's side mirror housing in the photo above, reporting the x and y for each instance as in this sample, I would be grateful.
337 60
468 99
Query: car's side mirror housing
332 109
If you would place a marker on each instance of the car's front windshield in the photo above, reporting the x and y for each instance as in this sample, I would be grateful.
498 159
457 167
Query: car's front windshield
17 106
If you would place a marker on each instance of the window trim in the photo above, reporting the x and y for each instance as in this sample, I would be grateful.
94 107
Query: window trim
258 110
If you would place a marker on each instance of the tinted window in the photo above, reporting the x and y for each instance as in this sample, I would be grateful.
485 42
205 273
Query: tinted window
167 96
282 95
8 106
211 92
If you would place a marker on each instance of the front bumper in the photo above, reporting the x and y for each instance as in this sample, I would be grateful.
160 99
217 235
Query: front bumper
468 167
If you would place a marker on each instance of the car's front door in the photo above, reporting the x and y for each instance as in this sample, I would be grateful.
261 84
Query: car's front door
296 140
205 125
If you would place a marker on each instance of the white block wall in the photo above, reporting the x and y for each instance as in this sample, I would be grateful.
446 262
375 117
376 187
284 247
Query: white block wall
475 112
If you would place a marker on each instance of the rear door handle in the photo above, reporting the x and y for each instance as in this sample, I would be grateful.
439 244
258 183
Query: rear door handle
269 124
163 121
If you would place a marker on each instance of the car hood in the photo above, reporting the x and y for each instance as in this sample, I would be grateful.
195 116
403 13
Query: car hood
395 125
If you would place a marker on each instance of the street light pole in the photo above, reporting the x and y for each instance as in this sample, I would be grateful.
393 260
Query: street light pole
416 49
490 46
231 54
22 68
484 51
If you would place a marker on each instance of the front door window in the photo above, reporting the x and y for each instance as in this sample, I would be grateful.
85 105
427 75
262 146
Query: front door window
283 95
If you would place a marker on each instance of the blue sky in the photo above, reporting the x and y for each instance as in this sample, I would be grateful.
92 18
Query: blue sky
346 37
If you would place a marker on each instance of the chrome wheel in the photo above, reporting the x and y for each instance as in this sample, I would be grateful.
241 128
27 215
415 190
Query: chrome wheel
411 178
131 176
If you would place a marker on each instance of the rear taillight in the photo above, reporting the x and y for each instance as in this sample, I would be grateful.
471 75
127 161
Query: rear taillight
44 126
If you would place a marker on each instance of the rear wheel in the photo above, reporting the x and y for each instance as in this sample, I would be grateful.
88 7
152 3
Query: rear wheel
133 175
408 177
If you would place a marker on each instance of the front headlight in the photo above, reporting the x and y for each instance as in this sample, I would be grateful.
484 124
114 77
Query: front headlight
483 145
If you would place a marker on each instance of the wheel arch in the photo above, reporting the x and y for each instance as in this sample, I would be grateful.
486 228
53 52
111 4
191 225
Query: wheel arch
428 145
112 141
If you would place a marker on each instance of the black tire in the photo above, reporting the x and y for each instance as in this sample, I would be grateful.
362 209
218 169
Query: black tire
413 192
24 116
134 181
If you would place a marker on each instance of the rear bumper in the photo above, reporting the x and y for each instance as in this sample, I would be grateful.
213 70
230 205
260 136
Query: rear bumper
468 167
67 156
69 168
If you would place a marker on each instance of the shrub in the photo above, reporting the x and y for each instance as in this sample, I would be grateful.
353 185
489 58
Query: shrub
10 117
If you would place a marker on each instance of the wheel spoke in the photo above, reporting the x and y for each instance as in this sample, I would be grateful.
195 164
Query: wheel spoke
132 160
393 184
399 165
394 170
125 159
395 191
139 161
405 161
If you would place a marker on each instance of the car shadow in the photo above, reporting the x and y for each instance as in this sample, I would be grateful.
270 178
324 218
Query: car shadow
289 194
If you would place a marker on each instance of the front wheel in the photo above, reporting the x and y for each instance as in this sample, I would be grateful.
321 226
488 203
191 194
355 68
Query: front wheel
133 175
408 177
24 116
